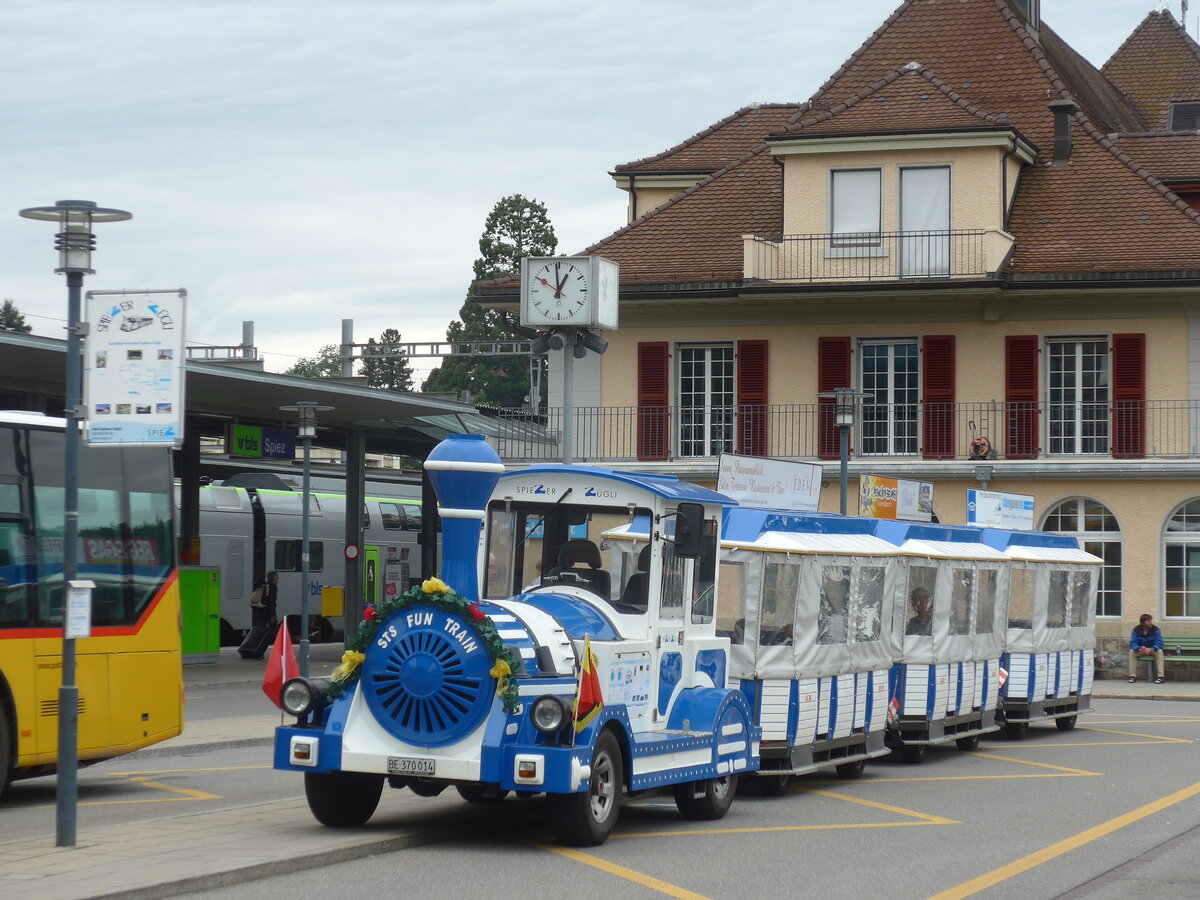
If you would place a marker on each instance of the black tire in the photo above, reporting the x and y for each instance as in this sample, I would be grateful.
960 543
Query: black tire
851 770
6 751
230 636
1015 731
968 743
319 630
586 819
480 793
426 788
913 753
772 785
712 804
1066 723
342 799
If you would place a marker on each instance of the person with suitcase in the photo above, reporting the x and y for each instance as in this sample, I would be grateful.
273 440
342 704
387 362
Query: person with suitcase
262 618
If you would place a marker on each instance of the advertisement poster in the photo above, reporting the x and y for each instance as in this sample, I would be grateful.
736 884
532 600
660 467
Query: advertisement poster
771 483
133 368
893 498
992 509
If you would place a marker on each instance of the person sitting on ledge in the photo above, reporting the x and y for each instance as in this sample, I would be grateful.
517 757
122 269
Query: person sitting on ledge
1146 640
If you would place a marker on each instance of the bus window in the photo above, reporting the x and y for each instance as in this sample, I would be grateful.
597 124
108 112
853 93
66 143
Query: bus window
835 595
731 602
1056 611
1020 599
15 575
781 582
985 607
868 610
288 556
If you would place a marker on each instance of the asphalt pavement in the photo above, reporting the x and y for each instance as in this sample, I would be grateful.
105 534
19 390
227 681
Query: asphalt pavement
196 851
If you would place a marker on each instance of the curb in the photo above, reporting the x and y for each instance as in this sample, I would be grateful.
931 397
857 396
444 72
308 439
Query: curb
200 747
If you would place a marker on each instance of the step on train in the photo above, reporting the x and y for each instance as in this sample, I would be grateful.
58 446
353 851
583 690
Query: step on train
607 635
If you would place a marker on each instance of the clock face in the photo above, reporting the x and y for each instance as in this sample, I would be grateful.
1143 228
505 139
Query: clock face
558 292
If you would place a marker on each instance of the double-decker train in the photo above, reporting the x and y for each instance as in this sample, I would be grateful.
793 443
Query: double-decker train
598 635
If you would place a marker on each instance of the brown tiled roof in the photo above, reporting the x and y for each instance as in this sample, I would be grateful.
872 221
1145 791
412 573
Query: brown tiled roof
1170 155
718 145
1158 63
1107 107
907 100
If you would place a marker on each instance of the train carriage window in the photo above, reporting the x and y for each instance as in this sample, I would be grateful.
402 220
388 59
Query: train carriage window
288 559
868 608
10 499
731 602
1081 593
834 602
674 573
502 530
706 576
1060 590
985 607
962 582
1020 597
781 583
922 600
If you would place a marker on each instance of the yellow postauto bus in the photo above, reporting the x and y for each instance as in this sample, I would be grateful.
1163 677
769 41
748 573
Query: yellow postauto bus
129 670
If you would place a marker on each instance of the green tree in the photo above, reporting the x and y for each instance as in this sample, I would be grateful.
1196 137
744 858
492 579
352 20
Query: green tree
516 227
326 364
12 320
391 370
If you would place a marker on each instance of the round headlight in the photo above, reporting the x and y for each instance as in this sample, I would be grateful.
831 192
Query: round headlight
296 696
549 714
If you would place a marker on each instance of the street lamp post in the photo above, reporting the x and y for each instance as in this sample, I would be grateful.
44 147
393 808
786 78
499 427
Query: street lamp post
74 243
845 403
306 411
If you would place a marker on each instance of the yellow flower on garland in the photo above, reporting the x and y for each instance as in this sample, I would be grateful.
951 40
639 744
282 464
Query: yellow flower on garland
435 586
501 669
351 660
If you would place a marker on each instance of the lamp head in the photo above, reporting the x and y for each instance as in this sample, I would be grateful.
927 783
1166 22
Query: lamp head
75 241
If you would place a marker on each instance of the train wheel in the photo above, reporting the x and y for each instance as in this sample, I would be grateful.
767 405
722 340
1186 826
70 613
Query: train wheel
1066 723
586 819
912 753
968 743
481 793
423 788
1015 731
713 801
6 754
852 770
772 785
342 799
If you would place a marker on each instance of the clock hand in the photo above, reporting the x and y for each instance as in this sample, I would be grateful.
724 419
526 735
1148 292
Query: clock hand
557 290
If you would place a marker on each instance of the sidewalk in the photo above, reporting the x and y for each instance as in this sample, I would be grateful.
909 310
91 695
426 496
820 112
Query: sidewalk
200 850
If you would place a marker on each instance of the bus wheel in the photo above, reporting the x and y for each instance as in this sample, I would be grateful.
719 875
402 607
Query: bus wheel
5 750
968 743
342 799
481 793
852 769
586 819
1066 723
912 753
710 802
772 785
1014 731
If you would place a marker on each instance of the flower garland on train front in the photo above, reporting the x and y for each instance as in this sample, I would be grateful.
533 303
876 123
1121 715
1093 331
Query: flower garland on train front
435 593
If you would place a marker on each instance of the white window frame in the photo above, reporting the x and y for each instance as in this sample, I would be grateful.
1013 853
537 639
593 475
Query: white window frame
1185 539
1078 424
891 438
710 422
1094 537
855 243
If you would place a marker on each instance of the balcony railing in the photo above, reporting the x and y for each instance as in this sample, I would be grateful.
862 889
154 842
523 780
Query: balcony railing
875 256
947 431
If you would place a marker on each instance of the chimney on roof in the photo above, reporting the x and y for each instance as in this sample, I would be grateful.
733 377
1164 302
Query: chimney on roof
1063 111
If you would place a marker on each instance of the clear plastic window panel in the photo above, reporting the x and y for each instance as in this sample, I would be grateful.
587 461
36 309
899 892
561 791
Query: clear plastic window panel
1060 591
673 578
706 400
706 577
868 610
834 605
922 599
731 601
888 417
502 531
961 600
985 603
781 583
1078 395
1021 583
1081 598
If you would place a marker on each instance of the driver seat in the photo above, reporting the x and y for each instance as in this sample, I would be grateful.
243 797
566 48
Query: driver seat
582 558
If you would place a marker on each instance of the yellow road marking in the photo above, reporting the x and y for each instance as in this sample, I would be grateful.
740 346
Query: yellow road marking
179 771
925 817
1025 762
1153 737
974 777
636 877
990 879
187 792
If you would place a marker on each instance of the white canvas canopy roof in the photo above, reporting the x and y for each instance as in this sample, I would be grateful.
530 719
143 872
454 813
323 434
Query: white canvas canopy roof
800 542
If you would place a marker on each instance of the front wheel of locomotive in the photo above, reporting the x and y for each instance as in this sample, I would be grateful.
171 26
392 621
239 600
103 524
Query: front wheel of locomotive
587 819
706 800
342 799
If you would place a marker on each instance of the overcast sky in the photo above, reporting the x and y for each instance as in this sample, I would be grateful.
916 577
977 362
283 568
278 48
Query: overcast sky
297 163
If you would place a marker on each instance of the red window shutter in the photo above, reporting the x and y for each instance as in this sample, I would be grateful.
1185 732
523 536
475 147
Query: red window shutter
1129 396
752 398
654 400
937 394
833 372
1021 396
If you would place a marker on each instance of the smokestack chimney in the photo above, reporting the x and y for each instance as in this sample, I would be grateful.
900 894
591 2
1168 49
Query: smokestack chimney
1063 111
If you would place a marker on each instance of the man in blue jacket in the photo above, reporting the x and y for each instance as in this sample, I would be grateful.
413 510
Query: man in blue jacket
1145 640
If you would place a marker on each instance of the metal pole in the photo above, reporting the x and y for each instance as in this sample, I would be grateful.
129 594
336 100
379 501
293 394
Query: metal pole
844 454
68 692
568 443
304 590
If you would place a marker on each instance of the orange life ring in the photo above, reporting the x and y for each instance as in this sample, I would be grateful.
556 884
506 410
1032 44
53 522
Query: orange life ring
981 448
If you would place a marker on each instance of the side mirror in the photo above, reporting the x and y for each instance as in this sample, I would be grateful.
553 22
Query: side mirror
689 530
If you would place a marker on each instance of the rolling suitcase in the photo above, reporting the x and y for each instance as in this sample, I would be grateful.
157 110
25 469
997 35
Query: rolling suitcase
257 640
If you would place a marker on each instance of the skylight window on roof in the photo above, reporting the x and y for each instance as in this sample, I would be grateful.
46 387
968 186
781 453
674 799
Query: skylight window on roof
1185 116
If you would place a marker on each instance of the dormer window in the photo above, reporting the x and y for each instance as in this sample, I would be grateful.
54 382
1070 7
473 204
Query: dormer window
1185 116
1030 11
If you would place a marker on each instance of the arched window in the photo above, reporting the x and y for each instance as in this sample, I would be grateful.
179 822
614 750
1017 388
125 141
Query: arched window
1181 545
1098 532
